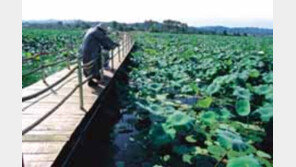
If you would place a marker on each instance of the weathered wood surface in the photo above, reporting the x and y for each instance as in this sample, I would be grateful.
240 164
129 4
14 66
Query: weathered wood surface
43 143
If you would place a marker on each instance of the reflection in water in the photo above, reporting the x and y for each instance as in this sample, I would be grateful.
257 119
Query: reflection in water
127 150
111 142
187 100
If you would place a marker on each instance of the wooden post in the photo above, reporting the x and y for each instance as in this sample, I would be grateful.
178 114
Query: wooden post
127 43
23 164
68 56
80 83
42 67
102 65
131 42
43 73
118 51
112 59
123 45
68 62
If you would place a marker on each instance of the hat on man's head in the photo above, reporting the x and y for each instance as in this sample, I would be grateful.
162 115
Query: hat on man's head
101 28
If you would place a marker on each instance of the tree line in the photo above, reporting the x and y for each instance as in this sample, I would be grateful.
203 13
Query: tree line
170 26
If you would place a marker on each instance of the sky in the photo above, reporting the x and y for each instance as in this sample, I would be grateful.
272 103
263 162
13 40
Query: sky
231 13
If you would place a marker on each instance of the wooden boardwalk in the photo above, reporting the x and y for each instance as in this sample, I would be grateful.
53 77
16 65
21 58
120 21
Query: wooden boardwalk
42 144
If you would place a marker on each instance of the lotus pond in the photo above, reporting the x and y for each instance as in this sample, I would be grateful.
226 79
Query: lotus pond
200 100
190 100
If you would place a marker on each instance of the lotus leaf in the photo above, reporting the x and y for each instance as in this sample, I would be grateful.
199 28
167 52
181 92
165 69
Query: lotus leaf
265 112
242 93
243 107
246 161
254 73
213 88
205 102
231 140
209 117
180 121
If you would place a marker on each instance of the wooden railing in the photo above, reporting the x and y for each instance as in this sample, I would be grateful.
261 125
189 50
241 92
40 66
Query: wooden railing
125 44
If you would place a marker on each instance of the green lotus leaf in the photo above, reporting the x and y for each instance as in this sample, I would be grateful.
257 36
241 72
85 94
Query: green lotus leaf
156 165
225 79
209 117
155 87
170 131
151 108
239 145
213 88
194 87
263 154
217 151
191 139
205 102
211 71
234 154
225 140
254 73
243 107
28 54
244 75
120 164
187 158
242 93
265 162
228 62
246 161
182 149
166 157
161 97
265 112
161 135
225 114
180 121
186 89
268 77
263 89
231 140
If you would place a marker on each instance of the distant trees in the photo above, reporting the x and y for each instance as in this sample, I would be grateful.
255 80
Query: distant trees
152 26
174 26
225 32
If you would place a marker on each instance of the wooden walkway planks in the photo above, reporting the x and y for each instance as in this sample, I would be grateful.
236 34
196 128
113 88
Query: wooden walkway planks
43 143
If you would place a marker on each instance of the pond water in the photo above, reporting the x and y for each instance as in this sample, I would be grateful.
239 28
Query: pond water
111 141
187 100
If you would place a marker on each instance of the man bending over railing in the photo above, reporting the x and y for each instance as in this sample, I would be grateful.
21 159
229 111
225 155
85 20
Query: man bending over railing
95 39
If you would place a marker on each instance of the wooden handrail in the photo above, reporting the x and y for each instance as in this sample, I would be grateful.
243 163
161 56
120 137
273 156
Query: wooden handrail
37 122
24 60
45 66
34 95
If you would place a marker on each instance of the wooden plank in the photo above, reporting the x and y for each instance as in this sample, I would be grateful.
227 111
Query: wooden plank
45 138
41 147
49 132
38 164
40 157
